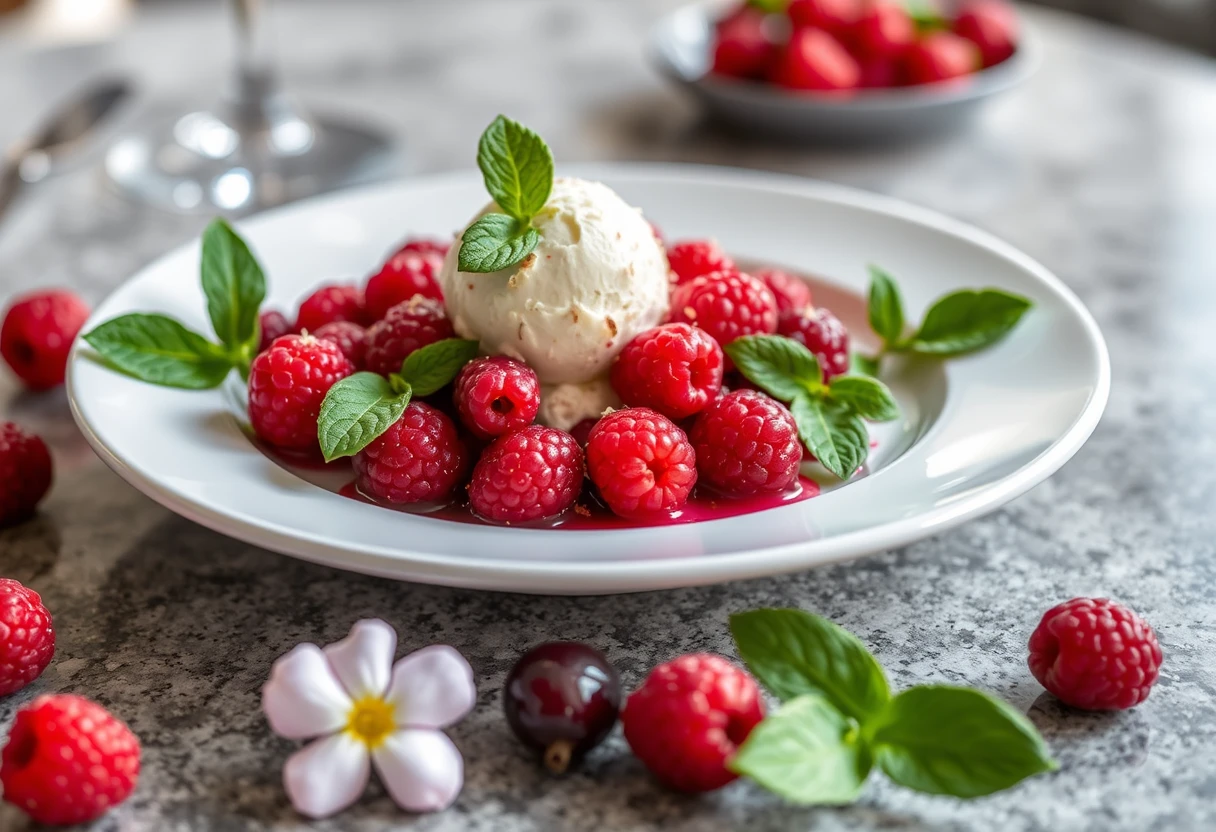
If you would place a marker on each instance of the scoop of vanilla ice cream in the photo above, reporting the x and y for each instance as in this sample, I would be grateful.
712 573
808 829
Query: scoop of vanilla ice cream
563 406
597 278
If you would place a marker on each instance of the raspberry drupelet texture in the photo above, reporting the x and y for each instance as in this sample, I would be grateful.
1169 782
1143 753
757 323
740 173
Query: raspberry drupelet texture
823 334
68 760
532 474
406 274
407 327
37 336
329 304
25 473
1095 654
496 395
641 462
746 443
420 459
689 717
272 325
792 294
692 258
27 636
425 245
727 305
287 384
675 369
349 337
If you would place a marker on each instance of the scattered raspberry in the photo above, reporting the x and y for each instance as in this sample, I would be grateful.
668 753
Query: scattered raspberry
532 474
329 304
272 325
25 473
406 274
940 56
675 369
835 16
992 25
420 459
746 442
496 396
37 335
726 305
689 717
884 30
792 294
425 245
823 334
815 60
582 431
1095 654
349 337
407 326
743 48
68 760
877 73
641 462
27 636
287 384
692 258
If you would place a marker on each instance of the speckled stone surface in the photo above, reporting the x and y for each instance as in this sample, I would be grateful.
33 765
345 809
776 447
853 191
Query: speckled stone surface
1101 168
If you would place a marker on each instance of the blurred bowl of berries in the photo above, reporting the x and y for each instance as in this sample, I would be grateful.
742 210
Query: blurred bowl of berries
844 70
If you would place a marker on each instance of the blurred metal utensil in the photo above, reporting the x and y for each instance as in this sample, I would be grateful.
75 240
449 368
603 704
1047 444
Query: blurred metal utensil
32 159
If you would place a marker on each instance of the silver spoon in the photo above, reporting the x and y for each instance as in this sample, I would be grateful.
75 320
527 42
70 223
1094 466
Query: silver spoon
32 159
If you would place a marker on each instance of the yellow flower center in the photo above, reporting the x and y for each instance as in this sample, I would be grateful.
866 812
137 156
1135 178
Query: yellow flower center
371 721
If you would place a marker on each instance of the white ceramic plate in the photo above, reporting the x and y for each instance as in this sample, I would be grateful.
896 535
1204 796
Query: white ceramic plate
976 433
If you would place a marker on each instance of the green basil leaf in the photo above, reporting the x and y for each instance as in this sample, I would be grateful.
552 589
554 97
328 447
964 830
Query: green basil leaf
863 364
428 369
495 242
770 6
793 653
234 284
868 397
159 350
886 307
968 320
782 367
808 752
957 741
356 411
837 437
518 168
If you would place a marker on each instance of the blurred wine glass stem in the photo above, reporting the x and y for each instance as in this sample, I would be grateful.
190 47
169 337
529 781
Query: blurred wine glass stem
255 82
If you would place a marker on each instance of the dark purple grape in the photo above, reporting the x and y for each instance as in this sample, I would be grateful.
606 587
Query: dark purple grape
562 698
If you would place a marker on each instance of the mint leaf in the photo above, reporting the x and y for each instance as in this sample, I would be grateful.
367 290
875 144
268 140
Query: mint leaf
428 369
770 6
968 320
158 349
793 653
518 168
868 397
234 284
494 242
957 741
837 437
356 411
885 307
807 752
863 364
784 368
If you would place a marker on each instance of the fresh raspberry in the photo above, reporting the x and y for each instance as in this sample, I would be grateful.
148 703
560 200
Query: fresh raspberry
329 304
25 473
884 30
420 459
992 25
27 636
727 305
405 274
879 73
792 294
815 60
1095 654
582 431
287 384
743 48
692 258
746 442
641 462
835 16
407 326
689 717
822 333
531 474
675 369
941 56
68 760
426 245
272 325
496 395
37 335
350 338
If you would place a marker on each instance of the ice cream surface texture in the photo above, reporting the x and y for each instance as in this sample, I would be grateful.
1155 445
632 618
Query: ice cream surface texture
597 278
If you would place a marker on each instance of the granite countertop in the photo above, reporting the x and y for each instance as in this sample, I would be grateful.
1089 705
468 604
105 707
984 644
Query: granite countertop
1101 168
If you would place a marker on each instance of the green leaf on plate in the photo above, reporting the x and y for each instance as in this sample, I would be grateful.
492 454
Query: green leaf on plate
782 367
885 307
234 285
967 320
863 365
495 242
159 350
356 411
835 434
428 369
868 397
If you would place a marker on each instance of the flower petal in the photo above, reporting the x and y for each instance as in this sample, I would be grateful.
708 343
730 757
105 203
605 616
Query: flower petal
303 698
421 769
432 688
364 659
326 776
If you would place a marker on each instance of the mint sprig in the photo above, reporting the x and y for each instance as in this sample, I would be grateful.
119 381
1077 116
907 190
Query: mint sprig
361 407
839 720
517 167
